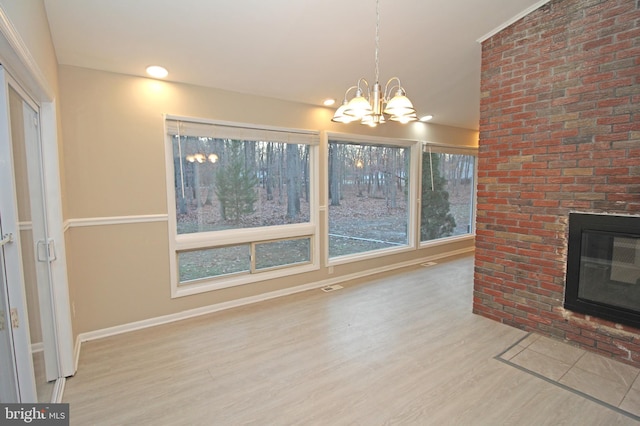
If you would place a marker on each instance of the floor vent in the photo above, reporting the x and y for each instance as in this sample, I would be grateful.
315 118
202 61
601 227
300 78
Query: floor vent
427 264
330 288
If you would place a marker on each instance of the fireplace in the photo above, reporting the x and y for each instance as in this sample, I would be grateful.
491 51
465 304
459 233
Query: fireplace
603 267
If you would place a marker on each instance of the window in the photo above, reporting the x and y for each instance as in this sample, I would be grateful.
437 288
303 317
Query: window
215 262
286 252
448 190
206 263
368 185
241 203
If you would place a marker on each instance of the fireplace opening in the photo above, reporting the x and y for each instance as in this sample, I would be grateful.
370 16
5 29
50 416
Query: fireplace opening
603 267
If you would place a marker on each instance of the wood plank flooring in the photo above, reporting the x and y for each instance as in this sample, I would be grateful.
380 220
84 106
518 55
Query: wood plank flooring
403 348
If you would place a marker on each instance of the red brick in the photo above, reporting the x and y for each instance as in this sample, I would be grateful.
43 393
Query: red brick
584 341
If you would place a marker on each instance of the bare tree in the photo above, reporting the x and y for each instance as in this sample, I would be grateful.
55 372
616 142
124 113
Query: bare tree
293 181
334 174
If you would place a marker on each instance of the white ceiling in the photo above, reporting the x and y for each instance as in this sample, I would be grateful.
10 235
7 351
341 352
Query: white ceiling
298 50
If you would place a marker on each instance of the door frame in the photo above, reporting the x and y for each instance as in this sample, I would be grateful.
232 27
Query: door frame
20 64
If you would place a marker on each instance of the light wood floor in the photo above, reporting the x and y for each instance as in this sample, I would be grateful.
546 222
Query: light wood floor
399 349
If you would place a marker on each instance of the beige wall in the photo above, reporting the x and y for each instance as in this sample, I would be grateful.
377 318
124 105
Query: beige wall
29 17
114 163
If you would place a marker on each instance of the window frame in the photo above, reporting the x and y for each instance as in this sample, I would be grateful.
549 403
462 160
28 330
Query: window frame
212 239
414 186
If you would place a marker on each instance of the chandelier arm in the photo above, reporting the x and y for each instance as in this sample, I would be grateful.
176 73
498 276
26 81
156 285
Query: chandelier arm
366 83
347 92
388 88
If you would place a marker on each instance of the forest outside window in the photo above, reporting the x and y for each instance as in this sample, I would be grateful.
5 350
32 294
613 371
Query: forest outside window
241 202
448 189
369 196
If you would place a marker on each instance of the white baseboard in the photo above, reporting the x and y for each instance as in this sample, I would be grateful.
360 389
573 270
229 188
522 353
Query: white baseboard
58 390
165 319
76 353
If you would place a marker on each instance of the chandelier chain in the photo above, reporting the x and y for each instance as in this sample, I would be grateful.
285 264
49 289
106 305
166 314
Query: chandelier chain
377 40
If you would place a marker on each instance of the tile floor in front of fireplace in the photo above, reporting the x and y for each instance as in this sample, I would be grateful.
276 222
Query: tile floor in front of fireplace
608 382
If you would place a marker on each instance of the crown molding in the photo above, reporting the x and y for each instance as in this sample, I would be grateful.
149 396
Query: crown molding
512 20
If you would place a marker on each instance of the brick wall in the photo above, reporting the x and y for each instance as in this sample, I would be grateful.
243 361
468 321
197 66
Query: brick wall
559 132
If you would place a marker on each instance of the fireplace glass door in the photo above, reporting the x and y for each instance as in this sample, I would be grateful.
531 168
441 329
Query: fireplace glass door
610 269
603 268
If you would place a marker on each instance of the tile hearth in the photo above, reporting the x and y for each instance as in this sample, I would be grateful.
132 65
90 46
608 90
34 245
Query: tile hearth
598 378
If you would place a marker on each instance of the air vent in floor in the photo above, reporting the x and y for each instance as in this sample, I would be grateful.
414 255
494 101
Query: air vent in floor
330 288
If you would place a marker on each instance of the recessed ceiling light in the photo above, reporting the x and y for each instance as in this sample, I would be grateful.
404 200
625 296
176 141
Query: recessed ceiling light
156 71
426 118
329 102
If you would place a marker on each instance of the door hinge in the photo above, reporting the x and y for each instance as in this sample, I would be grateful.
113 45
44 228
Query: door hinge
3 321
15 322
46 250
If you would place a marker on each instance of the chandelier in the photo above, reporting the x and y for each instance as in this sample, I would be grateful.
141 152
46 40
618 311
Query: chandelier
372 105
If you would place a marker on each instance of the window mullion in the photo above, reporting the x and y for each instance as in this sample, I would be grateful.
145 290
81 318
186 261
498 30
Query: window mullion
252 258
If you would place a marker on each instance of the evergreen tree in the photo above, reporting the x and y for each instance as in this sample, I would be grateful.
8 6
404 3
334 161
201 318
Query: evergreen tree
235 184
436 221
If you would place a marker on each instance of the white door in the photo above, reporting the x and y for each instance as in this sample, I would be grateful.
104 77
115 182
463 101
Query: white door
26 202
16 362
9 391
